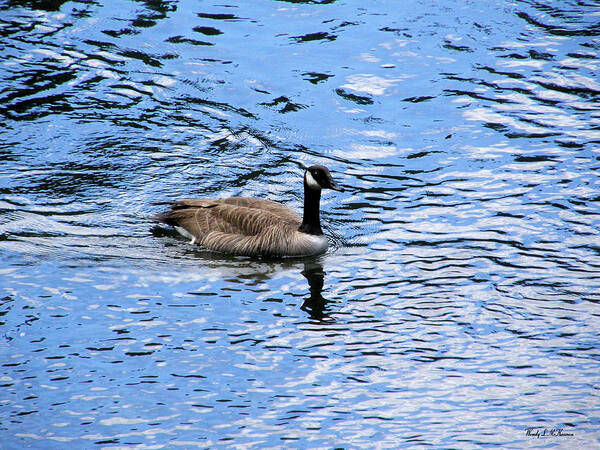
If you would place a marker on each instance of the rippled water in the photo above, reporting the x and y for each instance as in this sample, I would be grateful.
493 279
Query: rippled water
458 305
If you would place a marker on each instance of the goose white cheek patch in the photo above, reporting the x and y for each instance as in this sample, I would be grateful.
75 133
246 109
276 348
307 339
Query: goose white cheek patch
311 182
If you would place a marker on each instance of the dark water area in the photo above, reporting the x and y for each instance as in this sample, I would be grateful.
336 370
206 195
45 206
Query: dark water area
458 305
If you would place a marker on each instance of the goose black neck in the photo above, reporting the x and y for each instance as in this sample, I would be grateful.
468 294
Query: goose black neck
311 223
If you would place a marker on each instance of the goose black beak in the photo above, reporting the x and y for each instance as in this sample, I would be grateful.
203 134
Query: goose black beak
336 187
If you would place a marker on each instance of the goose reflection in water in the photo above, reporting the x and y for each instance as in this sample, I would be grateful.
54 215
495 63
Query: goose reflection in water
238 270
315 304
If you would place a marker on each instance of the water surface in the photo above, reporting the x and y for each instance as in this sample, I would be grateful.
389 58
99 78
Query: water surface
458 304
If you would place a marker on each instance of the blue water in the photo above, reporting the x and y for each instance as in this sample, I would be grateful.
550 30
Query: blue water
458 305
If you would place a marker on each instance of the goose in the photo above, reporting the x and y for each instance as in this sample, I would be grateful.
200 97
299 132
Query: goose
253 226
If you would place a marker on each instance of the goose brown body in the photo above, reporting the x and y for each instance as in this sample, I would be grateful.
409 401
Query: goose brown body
251 226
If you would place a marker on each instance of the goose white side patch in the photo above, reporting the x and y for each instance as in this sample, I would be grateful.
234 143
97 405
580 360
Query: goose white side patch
318 244
311 182
182 231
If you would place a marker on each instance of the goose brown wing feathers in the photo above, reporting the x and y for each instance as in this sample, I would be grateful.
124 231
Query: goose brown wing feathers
232 216
254 203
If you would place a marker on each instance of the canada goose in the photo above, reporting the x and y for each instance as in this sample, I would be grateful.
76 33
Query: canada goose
252 226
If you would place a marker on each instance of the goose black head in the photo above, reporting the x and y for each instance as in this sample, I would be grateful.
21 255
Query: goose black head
318 177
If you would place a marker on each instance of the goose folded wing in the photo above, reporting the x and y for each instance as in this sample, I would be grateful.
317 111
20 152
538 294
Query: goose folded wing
260 204
202 216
